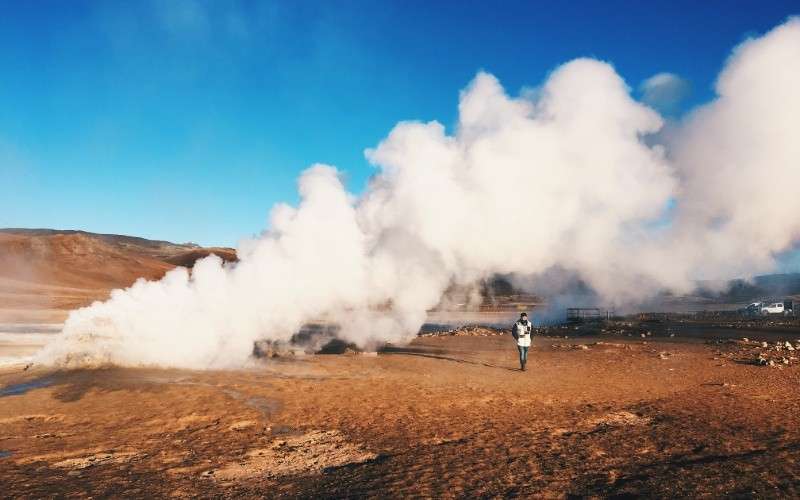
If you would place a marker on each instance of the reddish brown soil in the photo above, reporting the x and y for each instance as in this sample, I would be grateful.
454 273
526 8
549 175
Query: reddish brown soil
443 417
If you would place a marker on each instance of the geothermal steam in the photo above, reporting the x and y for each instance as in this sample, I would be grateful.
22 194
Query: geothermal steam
569 180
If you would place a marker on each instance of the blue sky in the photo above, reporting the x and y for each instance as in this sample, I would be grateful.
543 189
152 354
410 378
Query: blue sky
187 120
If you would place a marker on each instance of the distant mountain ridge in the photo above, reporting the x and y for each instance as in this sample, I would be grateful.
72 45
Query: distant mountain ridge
111 238
761 287
64 269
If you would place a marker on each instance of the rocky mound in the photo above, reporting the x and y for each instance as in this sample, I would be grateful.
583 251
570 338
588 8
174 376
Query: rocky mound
467 331
775 354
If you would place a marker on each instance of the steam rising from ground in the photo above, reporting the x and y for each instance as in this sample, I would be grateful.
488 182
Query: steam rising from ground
569 180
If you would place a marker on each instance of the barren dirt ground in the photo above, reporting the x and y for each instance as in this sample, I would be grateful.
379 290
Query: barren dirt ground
443 417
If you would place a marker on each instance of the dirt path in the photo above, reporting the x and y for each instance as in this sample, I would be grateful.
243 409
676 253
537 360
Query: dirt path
444 417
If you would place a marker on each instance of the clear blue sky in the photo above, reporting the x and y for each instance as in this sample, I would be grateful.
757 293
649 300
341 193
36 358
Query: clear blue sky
187 120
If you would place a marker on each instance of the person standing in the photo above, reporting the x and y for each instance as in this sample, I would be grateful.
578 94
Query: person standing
522 334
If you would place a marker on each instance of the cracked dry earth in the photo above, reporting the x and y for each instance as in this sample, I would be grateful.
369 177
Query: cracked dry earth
443 417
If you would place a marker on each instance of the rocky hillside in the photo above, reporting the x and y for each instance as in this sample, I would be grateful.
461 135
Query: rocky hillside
45 269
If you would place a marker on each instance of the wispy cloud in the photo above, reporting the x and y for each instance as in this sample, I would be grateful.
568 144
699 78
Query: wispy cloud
665 92
182 17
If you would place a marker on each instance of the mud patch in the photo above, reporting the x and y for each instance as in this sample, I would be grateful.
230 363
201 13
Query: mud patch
310 453
267 407
19 389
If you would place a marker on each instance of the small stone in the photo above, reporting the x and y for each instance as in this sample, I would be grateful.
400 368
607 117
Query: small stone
764 344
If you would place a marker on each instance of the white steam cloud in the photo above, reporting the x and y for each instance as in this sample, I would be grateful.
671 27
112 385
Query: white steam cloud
568 179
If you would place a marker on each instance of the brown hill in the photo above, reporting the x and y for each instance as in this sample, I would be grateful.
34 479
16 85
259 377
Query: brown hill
43 271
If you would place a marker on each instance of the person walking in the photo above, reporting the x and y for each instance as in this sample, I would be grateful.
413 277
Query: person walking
522 334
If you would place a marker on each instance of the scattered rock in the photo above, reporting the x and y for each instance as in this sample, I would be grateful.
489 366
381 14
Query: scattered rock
438 441
242 425
46 435
31 418
112 457
619 419
579 347
467 331
308 454
272 349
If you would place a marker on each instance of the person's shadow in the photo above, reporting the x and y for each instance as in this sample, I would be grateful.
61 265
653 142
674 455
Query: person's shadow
439 354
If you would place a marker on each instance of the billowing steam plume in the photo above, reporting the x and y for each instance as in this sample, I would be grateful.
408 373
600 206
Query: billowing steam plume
573 179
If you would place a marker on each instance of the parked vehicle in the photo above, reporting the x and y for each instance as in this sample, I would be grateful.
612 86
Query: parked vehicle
773 308
769 307
753 309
